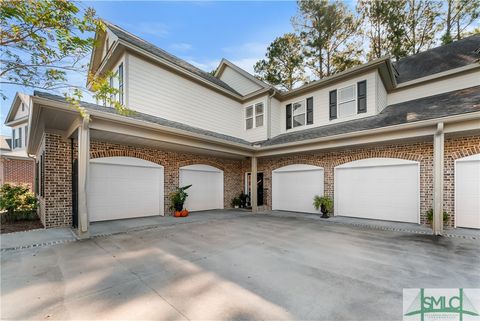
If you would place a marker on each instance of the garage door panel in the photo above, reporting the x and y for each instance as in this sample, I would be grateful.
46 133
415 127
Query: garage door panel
381 190
123 187
206 192
467 192
294 188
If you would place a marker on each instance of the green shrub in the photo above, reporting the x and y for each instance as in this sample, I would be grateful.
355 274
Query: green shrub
236 201
18 202
324 203
430 216
178 198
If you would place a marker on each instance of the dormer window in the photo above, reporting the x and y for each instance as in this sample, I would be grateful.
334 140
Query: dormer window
348 101
254 116
299 113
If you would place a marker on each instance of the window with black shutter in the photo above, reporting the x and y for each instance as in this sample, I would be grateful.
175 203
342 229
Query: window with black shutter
289 116
310 111
362 96
333 104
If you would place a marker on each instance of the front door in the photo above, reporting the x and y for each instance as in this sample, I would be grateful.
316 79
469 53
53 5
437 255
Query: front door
259 187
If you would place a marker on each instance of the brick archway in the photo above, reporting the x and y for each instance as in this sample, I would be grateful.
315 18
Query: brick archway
377 154
124 153
200 162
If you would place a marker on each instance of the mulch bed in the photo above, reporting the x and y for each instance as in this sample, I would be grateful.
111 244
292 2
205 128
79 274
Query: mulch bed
18 226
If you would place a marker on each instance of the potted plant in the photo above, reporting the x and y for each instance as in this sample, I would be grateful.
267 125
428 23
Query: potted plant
243 199
324 203
177 200
236 202
430 216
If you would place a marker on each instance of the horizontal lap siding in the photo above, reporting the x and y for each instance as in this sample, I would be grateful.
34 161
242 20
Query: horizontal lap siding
240 83
159 92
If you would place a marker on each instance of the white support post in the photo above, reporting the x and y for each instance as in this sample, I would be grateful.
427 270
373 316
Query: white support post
253 186
83 161
438 159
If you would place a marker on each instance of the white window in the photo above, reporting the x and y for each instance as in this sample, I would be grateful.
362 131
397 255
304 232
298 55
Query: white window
254 116
23 107
347 101
298 113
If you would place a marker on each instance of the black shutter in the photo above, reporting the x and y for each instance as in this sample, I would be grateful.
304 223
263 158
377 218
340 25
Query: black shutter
310 111
362 96
42 174
289 116
333 104
37 174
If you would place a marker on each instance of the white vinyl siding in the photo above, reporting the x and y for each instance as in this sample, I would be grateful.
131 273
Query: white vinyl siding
381 94
321 115
451 83
237 81
159 92
276 124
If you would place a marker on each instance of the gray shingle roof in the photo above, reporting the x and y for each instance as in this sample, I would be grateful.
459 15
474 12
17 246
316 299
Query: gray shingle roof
146 118
454 55
446 104
136 41
442 105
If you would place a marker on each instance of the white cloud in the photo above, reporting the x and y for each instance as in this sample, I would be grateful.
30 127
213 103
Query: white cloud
181 46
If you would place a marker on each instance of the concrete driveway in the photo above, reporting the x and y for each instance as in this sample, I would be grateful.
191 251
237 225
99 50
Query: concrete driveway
236 268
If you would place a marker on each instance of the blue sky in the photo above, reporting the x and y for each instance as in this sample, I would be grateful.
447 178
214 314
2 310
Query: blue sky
200 32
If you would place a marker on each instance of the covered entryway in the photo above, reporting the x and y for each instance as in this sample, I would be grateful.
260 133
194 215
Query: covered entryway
378 188
124 187
294 186
206 192
467 192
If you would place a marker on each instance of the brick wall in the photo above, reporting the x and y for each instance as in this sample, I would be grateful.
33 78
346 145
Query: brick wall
172 161
418 151
17 171
56 206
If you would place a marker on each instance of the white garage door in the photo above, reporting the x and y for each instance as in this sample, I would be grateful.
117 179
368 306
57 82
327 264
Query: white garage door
294 186
467 192
378 188
206 192
124 187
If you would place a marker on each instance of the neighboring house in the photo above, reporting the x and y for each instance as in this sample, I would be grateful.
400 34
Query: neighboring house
385 140
15 165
